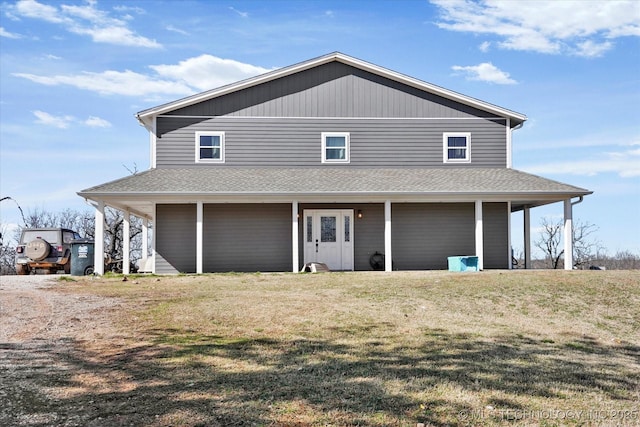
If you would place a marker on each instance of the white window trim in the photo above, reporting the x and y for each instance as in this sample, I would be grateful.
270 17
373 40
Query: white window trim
209 133
347 138
445 147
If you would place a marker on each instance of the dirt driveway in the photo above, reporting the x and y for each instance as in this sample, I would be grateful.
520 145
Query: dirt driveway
41 329
31 309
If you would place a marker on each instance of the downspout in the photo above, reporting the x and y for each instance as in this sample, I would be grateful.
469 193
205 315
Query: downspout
581 198
510 142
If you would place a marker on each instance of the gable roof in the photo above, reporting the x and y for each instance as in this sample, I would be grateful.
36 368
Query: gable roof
146 116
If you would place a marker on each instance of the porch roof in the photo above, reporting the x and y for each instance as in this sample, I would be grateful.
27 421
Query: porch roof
330 183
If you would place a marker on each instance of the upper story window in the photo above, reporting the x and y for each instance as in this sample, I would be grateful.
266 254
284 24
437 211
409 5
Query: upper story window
335 147
209 147
456 147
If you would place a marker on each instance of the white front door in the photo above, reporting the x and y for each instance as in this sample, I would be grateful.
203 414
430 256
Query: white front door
328 238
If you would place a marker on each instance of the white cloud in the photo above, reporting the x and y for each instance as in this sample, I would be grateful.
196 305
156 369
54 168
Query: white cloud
185 78
206 71
239 12
592 49
114 82
135 9
35 10
572 26
9 35
65 121
54 57
97 122
625 164
621 138
60 122
484 46
117 35
486 72
84 20
176 30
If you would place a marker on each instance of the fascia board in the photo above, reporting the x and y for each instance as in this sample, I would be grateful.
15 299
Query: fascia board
145 115
160 197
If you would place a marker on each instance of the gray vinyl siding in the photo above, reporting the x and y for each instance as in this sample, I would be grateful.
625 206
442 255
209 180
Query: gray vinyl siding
368 231
175 239
424 235
297 142
495 217
249 237
246 237
331 90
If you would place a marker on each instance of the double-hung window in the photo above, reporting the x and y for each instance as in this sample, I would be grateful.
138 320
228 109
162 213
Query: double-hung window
335 147
209 147
456 147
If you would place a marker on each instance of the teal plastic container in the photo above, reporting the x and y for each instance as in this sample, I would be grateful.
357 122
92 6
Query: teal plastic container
463 263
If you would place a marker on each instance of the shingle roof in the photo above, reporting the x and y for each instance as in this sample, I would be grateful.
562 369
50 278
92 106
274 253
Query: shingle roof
228 180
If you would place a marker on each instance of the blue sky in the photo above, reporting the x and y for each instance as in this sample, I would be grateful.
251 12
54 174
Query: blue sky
73 74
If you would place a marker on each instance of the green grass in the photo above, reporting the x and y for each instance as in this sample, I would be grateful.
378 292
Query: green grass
368 349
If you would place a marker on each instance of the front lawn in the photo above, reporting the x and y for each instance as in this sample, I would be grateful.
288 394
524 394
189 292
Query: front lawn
365 349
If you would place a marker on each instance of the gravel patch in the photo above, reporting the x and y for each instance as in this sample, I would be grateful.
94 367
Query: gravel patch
44 328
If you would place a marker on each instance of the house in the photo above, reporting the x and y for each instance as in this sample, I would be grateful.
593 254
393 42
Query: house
332 160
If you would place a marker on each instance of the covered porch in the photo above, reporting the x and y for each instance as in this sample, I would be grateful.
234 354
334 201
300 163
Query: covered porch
198 211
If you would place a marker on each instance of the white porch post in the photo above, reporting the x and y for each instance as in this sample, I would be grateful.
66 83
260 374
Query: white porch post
199 237
509 247
153 240
527 237
126 241
479 235
295 255
145 239
568 235
98 255
388 260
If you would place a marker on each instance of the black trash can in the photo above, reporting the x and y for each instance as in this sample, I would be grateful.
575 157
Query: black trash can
82 251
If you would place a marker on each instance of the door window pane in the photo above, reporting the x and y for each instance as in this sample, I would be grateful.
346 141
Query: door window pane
347 228
310 229
328 229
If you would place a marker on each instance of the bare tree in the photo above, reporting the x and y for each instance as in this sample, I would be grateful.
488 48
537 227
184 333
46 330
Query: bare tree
39 218
84 223
7 253
585 248
549 241
622 260
114 234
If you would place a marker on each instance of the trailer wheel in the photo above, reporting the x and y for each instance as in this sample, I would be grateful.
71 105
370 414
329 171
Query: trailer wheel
22 269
